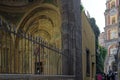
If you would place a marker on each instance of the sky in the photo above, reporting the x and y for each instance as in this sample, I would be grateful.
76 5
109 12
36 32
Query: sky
96 9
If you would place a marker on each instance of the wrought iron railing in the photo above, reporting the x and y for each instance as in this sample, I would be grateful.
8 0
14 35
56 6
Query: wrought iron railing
23 55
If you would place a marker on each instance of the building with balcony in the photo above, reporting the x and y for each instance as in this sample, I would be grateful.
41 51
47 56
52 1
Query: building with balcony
111 31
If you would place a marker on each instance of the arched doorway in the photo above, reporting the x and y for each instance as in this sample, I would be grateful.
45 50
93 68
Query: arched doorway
45 23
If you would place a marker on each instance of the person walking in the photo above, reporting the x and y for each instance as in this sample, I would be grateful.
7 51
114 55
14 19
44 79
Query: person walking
99 77
113 76
108 77
104 76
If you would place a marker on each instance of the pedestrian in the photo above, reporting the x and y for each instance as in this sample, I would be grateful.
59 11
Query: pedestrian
104 76
99 77
108 77
113 76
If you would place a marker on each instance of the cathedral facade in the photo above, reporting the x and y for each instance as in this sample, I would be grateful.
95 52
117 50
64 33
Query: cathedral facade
111 31
47 37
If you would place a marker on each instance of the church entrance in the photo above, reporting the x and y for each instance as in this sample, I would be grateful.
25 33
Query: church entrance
24 53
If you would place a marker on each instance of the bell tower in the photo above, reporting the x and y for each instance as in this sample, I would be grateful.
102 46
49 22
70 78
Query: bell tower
111 31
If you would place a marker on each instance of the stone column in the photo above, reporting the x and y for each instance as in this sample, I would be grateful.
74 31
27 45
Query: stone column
72 38
78 40
66 35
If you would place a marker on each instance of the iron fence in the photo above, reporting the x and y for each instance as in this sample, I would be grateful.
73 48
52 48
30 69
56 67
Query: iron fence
23 55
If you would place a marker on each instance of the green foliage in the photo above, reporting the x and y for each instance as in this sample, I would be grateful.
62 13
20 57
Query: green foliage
103 52
95 29
81 7
99 65
101 59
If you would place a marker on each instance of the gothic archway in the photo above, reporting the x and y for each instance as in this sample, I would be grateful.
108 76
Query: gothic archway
43 22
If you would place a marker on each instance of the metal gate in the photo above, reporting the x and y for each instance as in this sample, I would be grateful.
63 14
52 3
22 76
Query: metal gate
21 53
22 56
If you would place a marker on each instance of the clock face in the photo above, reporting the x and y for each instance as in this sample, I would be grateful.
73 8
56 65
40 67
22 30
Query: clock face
113 11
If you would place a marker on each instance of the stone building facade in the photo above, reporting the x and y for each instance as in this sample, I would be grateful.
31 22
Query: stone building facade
111 31
58 22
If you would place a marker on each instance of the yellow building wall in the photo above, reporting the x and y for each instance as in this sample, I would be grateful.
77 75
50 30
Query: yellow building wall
88 42
42 23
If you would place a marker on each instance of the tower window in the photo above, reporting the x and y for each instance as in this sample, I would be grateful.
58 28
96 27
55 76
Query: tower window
113 20
112 4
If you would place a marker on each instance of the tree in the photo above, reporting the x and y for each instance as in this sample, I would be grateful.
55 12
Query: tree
81 7
95 29
103 52
100 56
100 59
99 65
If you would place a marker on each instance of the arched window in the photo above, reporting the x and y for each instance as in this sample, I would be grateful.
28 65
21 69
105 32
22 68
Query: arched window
113 4
113 20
